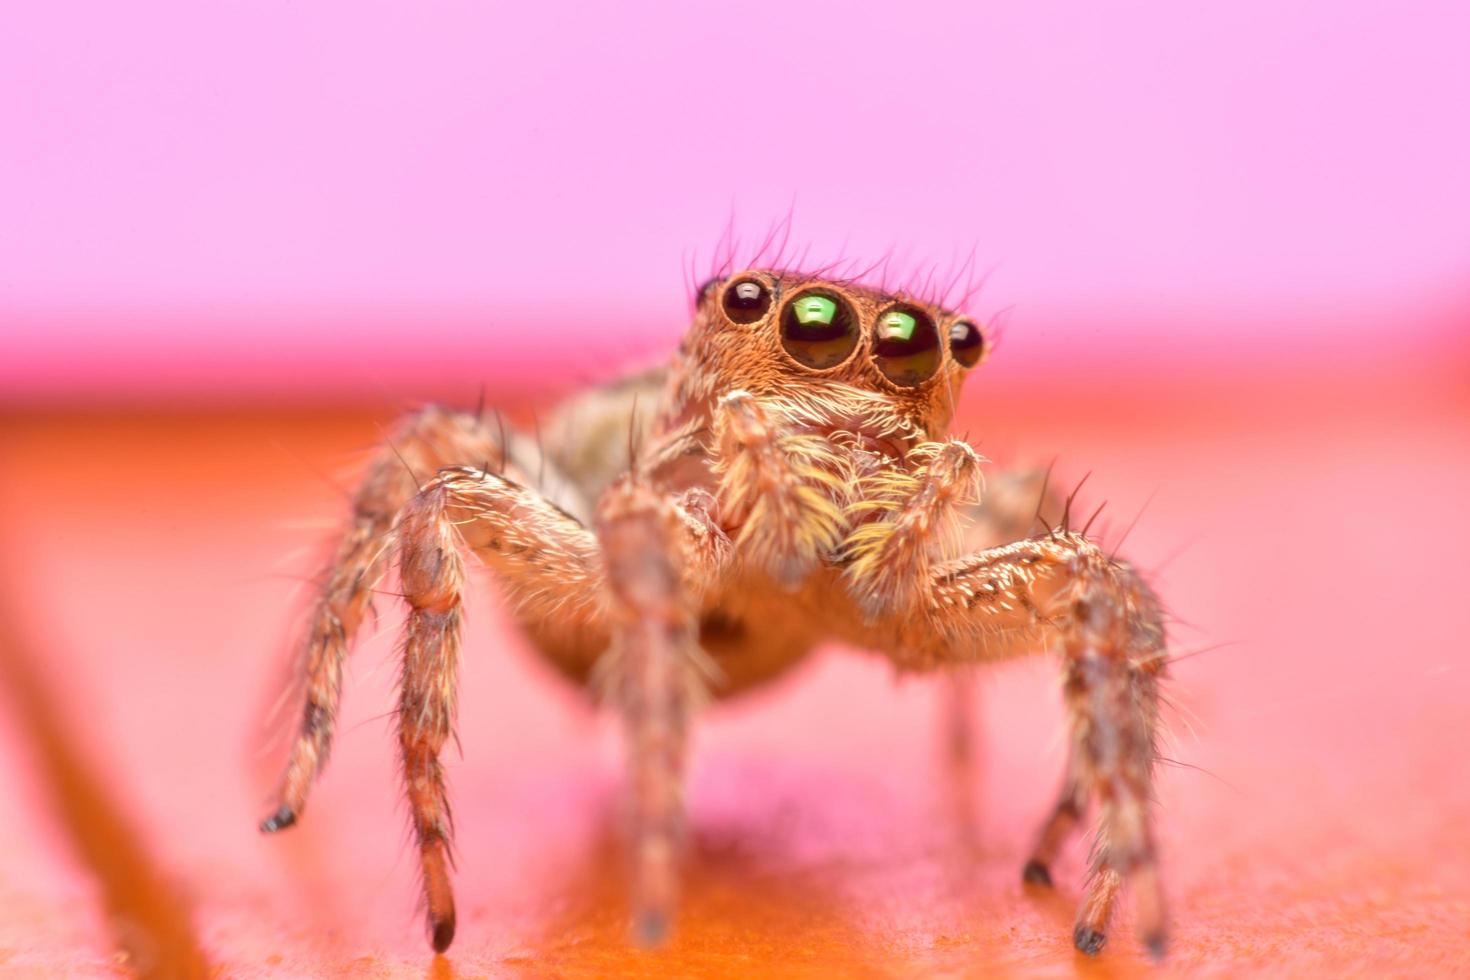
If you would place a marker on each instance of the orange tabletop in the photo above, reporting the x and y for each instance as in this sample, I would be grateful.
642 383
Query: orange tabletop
1313 815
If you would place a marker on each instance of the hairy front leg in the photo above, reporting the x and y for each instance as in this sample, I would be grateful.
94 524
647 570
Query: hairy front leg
1060 590
422 444
547 563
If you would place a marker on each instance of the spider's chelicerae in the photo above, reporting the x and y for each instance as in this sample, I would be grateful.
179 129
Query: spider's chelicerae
794 482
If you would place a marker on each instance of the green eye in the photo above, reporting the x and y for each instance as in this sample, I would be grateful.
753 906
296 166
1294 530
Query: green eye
814 310
818 329
906 346
896 325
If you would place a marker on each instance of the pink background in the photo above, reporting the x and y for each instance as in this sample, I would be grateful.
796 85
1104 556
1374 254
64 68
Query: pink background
1234 243
348 199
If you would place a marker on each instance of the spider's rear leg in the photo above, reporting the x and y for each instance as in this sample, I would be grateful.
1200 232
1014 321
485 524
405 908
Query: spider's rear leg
1014 599
546 562
660 555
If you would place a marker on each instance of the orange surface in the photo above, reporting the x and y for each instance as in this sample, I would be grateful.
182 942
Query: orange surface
1316 824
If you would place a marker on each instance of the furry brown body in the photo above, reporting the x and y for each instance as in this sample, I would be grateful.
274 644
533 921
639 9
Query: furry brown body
693 532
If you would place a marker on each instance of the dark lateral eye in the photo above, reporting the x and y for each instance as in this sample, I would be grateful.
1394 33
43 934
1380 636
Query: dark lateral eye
746 301
966 343
906 346
818 329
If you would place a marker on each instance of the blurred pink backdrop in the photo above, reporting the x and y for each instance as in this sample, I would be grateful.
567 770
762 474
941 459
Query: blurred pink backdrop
337 198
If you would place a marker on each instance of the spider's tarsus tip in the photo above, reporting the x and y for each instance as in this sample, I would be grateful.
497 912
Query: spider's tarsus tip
443 933
1157 945
651 928
1089 941
280 820
1036 873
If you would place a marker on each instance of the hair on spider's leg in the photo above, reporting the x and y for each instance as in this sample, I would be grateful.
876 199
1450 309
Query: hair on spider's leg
1118 546
1041 497
407 466
1066 525
1088 526
540 451
1190 655
503 441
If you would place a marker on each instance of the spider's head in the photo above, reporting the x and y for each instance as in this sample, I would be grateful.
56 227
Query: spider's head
847 351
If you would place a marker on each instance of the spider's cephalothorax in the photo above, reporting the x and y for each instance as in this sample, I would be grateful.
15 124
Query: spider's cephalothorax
796 482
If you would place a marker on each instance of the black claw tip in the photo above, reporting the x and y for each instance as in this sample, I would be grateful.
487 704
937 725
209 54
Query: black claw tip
1156 945
280 820
1035 873
443 934
651 929
1089 941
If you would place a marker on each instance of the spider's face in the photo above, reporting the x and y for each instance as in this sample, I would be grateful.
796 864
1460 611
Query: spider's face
786 334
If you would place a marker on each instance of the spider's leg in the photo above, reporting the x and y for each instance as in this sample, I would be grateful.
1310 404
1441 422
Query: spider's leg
547 563
418 447
1007 511
1060 590
1065 815
660 554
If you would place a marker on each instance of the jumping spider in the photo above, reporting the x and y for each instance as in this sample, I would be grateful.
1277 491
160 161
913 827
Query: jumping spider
794 482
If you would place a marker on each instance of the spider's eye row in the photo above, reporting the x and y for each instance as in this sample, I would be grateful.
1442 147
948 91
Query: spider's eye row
906 346
746 301
818 329
966 343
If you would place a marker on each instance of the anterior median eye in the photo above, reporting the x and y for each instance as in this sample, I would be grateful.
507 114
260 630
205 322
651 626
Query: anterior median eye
966 343
906 346
746 301
818 329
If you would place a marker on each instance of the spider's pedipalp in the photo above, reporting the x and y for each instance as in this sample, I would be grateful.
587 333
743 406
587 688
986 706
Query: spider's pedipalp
780 487
919 507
